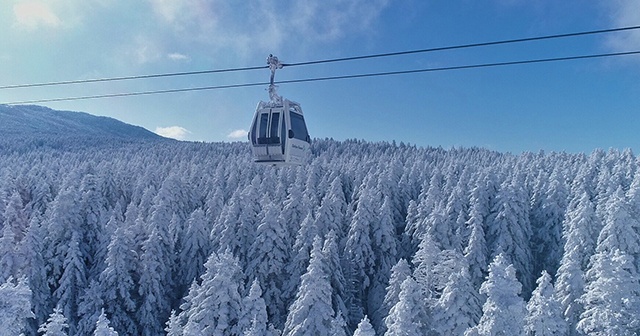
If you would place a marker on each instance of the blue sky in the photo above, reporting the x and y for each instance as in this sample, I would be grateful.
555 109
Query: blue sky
566 106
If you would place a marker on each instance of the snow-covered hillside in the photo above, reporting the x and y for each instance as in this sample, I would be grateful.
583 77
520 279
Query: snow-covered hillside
150 238
27 126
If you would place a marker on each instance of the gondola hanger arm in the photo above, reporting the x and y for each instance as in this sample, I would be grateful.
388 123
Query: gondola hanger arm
274 64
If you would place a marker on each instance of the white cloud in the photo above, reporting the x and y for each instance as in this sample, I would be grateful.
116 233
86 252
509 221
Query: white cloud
263 26
174 132
31 15
624 13
168 10
178 57
145 50
238 134
329 20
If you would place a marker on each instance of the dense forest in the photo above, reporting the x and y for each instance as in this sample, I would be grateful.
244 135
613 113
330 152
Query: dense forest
181 238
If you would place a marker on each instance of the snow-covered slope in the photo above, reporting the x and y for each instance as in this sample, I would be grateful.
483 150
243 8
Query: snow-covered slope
193 237
31 121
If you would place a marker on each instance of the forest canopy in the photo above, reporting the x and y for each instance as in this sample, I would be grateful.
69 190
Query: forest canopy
182 238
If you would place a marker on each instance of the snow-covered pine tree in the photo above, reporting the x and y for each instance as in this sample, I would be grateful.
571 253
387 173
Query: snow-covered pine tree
445 223
504 311
15 217
475 253
410 224
72 282
217 305
548 238
119 288
15 306
397 192
300 254
612 295
613 282
56 324
580 242
408 315
338 325
174 325
458 308
544 312
9 258
268 255
12 251
36 273
399 273
102 326
177 321
621 231
156 283
331 251
509 230
214 202
311 312
294 210
237 226
195 249
313 176
89 308
358 252
431 200
332 211
94 214
365 328
62 220
424 261
383 239
220 232
254 312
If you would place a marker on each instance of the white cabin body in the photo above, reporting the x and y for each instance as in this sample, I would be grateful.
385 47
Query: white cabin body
278 134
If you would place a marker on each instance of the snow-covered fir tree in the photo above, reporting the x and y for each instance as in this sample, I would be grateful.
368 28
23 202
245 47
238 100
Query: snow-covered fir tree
117 281
504 311
268 256
364 328
15 306
408 316
612 296
544 314
311 312
56 324
459 307
216 304
102 326
253 314
399 273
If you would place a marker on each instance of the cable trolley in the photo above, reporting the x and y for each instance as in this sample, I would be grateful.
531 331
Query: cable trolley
278 134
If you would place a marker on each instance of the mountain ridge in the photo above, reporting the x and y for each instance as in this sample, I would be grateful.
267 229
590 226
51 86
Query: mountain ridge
33 121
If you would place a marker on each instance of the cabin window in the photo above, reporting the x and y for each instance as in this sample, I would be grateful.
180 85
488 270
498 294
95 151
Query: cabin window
298 127
283 135
262 135
253 134
275 123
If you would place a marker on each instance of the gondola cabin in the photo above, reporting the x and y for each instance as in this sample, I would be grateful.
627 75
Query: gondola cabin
278 134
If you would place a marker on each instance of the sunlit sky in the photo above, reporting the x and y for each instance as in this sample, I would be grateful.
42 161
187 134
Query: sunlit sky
572 106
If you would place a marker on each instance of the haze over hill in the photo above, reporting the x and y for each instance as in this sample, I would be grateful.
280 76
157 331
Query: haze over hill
32 121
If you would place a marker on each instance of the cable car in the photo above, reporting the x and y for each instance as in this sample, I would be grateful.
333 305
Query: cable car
278 134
